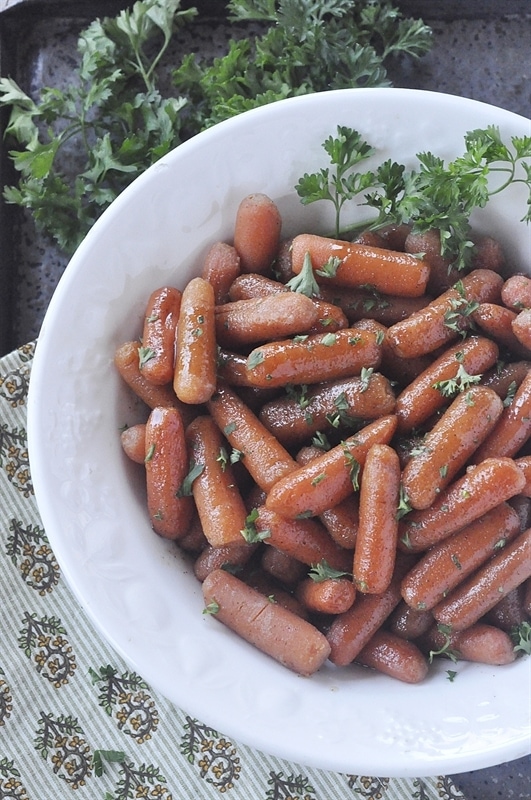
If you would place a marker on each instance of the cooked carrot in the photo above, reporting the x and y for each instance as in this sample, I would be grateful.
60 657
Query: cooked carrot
509 612
478 594
450 562
330 317
352 630
496 321
133 441
228 555
522 504
315 358
481 643
506 377
487 253
394 656
409 623
166 463
220 268
375 551
525 465
158 335
281 566
275 593
521 327
426 394
217 498
394 235
329 596
402 371
513 428
304 539
242 323
274 630
483 487
516 292
127 362
449 444
328 479
442 274
359 304
358 265
263 456
296 417
442 320
195 365
193 541
257 232
527 597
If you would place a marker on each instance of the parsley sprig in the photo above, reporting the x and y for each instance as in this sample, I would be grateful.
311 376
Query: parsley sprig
135 94
436 195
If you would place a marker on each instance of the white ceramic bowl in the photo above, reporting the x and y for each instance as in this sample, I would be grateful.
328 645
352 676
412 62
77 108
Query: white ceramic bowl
135 586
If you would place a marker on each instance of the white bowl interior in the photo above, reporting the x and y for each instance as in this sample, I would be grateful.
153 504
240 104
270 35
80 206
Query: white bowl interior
137 589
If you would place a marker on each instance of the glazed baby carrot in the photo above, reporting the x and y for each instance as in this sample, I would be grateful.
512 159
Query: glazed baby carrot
257 232
228 556
328 479
352 630
481 643
166 463
260 319
158 336
483 487
513 428
218 501
329 596
390 654
127 362
274 630
472 599
524 463
521 326
282 567
449 444
374 554
295 417
304 539
496 321
133 440
195 364
429 391
263 456
449 562
315 358
402 371
369 304
220 268
516 292
509 612
442 320
409 623
506 377
351 264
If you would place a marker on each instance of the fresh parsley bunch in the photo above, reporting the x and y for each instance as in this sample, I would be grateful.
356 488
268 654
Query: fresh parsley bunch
129 104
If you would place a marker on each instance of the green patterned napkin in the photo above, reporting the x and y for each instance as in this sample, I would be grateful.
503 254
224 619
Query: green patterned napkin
75 722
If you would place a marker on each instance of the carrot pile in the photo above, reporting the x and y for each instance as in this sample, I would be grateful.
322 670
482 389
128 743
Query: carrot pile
349 466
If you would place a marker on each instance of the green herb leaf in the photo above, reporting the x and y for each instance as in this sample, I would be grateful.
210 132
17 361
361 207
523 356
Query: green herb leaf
195 470
323 571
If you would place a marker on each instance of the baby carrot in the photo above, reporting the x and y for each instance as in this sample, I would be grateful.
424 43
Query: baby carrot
449 562
166 463
263 456
472 599
260 319
133 441
483 487
329 478
442 320
296 417
304 539
329 596
360 304
270 627
516 292
315 358
218 501
426 394
220 268
513 428
524 463
127 362
496 321
374 554
158 336
521 326
481 643
394 656
257 232
351 264
195 368
449 444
